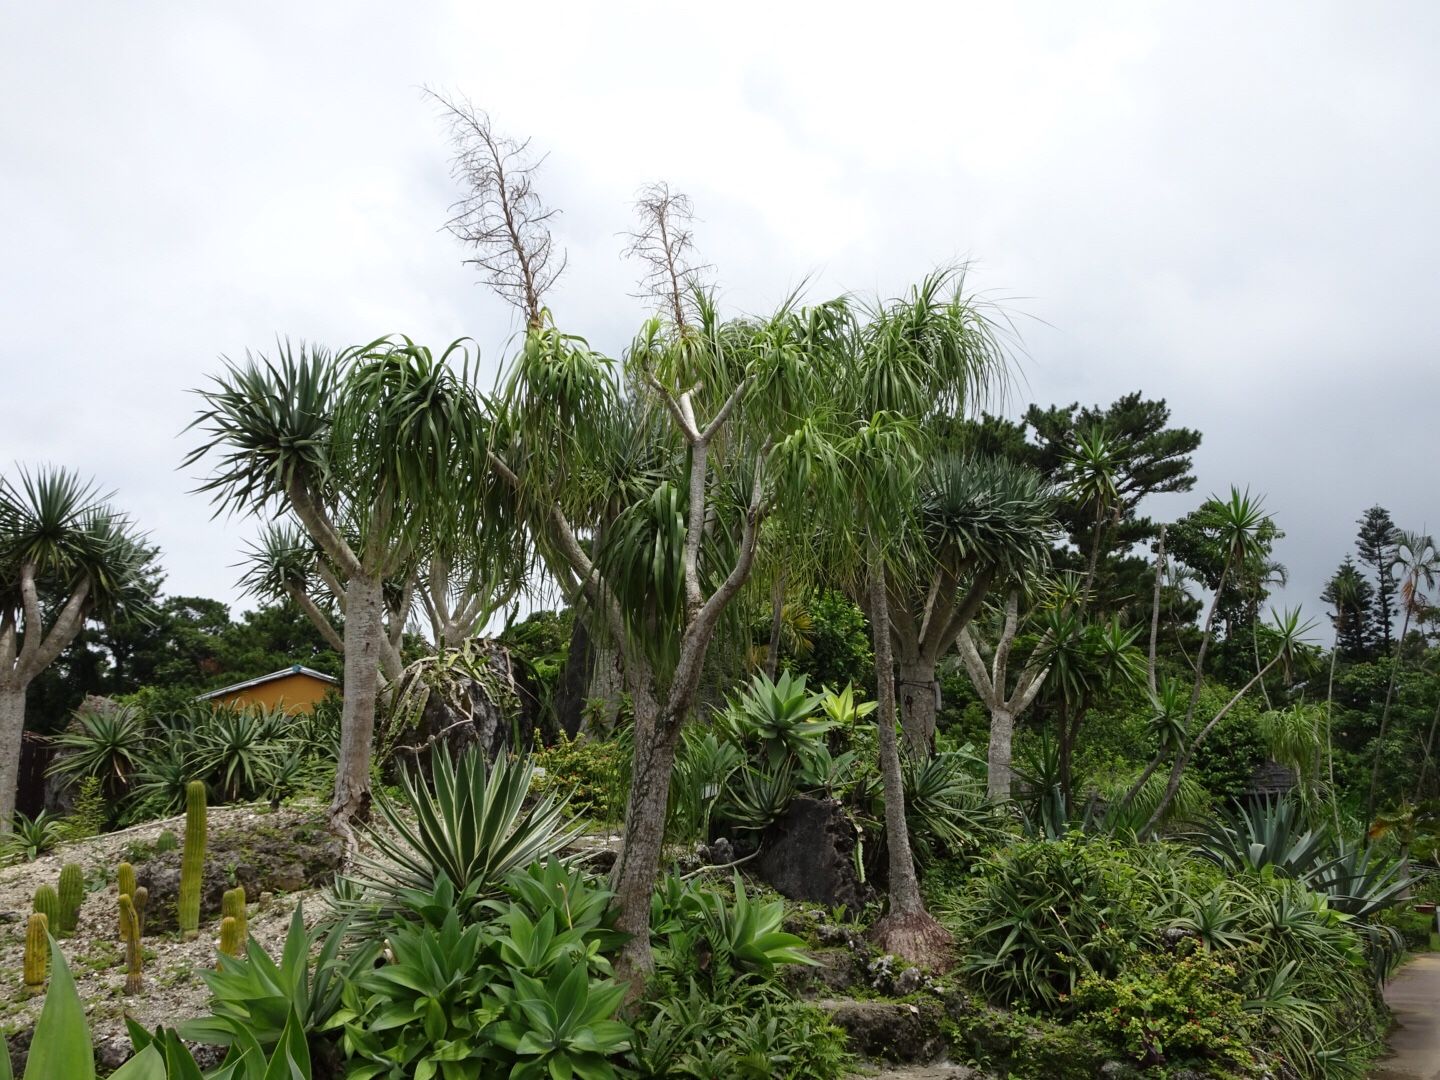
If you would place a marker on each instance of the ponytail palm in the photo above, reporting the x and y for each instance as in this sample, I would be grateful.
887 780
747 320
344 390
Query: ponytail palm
373 451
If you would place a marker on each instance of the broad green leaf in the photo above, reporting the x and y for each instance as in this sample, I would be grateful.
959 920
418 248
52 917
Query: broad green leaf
60 1046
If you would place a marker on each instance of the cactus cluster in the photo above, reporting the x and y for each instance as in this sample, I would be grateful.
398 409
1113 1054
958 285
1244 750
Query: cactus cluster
192 861
130 931
141 900
37 952
232 906
72 896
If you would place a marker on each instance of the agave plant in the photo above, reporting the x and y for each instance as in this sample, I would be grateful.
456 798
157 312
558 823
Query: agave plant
468 824
778 716
1273 834
107 743
30 838
238 749
755 798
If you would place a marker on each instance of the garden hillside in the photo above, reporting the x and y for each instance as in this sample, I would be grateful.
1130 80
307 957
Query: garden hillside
753 703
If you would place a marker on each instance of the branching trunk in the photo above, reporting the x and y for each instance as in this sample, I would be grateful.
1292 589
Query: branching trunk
364 642
1000 772
991 684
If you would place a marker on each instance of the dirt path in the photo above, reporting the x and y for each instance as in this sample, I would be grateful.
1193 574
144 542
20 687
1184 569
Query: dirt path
1414 995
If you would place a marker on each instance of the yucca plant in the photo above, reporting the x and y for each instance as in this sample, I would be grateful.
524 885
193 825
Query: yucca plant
468 823
755 798
238 750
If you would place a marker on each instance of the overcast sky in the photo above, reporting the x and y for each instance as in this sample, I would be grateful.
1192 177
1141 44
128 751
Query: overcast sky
1228 205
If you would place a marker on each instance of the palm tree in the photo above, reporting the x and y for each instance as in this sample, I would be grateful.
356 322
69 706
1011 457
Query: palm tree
66 556
1419 562
1091 470
373 451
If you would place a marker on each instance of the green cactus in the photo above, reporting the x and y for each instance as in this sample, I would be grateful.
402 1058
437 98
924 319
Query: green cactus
192 861
166 841
232 905
72 896
231 941
134 960
141 900
47 903
37 952
125 879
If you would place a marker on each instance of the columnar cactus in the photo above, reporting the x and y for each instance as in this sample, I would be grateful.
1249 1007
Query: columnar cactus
37 952
141 900
134 960
125 886
192 861
232 905
47 903
231 941
72 896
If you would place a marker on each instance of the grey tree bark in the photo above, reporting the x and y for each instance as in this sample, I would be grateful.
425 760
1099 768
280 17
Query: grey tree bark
12 730
991 685
364 638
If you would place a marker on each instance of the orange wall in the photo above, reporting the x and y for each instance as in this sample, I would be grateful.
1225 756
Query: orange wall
297 692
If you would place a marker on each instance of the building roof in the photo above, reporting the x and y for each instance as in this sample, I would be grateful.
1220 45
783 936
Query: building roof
294 669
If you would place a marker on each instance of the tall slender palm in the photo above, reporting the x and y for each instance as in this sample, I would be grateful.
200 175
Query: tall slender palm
1237 525
1418 560
66 556
373 452
1091 471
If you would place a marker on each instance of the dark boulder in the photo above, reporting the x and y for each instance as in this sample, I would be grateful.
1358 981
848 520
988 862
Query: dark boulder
890 1030
809 854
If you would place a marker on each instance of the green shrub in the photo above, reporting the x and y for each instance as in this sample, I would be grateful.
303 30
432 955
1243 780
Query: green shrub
89 812
1172 1010
594 773
1040 915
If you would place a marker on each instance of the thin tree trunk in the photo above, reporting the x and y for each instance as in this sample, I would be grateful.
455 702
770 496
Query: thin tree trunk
574 679
1385 717
364 640
907 930
1182 759
1329 733
918 709
999 772
1155 613
12 731
777 623
1429 750
657 734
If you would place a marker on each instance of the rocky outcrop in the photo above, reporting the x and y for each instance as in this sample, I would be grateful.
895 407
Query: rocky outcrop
809 854
268 853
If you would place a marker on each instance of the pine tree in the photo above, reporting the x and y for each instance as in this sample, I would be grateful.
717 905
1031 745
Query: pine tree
1352 598
1376 544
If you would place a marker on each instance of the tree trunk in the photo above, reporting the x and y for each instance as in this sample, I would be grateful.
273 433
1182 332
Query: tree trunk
657 734
1155 613
574 679
777 623
364 640
607 682
907 930
1002 734
12 731
918 708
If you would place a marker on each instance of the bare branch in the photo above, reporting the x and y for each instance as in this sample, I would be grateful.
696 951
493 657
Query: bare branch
664 242
499 215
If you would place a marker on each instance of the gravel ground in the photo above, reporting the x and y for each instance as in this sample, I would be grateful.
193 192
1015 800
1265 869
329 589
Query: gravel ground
174 991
